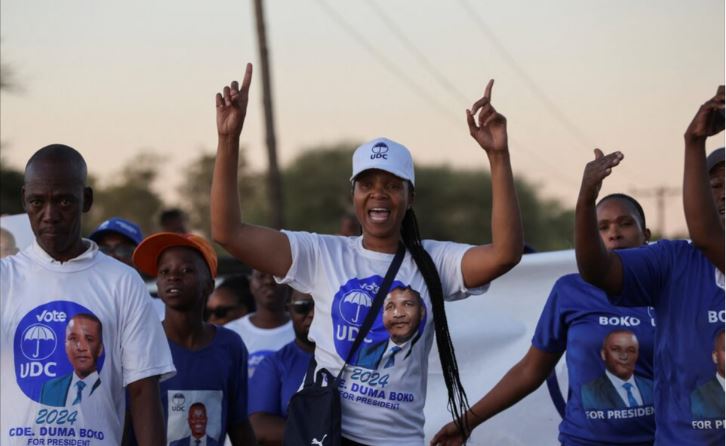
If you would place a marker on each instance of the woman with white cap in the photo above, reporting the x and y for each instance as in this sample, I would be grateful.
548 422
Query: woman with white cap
383 400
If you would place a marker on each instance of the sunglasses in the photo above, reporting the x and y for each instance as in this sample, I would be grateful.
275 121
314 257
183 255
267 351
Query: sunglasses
302 307
118 250
220 311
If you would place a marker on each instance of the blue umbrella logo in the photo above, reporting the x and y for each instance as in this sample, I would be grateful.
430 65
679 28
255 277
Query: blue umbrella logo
39 335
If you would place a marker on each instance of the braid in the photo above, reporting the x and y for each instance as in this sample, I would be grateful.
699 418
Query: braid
458 404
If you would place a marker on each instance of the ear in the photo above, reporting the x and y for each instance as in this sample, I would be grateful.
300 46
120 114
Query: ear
602 354
87 199
411 195
714 358
647 234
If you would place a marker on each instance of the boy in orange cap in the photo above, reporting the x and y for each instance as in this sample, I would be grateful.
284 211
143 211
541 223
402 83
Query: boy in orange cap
210 360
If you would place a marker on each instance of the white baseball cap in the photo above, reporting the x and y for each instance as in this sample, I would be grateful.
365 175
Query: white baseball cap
383 154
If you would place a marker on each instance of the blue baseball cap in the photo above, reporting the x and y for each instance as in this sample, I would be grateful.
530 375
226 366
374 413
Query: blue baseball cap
128 229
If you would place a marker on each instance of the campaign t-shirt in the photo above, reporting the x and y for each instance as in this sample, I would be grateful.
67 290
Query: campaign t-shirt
687 293
260 342
382 401
62 378
211 381
277 379
578 318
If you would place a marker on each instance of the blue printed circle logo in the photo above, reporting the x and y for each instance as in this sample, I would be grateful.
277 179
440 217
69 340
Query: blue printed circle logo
350 307
59 354
38 342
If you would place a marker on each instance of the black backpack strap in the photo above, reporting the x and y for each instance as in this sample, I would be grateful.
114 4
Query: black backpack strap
377 304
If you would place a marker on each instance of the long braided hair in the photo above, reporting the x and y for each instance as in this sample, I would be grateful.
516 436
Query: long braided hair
458 403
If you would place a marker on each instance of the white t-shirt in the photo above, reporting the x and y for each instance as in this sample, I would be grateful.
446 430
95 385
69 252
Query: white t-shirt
260 342
381 406
49 313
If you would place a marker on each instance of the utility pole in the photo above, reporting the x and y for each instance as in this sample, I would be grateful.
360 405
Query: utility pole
660 193
274 183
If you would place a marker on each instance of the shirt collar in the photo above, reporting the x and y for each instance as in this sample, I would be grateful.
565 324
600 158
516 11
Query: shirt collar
39 253
617 382
720 379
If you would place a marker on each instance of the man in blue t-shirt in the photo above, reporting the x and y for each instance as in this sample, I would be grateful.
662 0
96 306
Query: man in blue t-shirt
279 375
683 281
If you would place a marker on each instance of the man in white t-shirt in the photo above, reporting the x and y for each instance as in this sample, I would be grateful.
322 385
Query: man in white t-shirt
269 328
61 291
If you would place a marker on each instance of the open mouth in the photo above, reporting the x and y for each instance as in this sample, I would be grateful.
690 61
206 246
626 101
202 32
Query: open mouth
172 291
379 215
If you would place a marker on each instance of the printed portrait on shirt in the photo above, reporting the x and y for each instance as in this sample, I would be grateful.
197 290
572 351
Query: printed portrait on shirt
707 400
395 331
350 307
195 418
618 387
59 354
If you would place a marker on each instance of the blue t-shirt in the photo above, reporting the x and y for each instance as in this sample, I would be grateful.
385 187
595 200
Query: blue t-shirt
687 293
215 377
577 318
277 378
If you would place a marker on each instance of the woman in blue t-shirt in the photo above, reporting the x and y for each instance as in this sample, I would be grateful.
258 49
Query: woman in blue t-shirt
609 352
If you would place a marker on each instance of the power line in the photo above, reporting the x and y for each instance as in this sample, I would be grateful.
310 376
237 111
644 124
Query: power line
423 60
570 126
386 63
419 55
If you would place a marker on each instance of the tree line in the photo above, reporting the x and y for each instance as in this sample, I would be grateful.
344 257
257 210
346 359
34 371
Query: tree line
451 203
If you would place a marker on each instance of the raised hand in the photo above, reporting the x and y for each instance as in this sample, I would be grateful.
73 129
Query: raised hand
449 435
596 171
232 106
489 129
709 119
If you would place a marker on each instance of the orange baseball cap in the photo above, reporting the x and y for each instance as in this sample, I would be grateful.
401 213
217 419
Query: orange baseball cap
146 255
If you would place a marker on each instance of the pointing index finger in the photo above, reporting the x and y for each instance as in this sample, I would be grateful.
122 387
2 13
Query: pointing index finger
488 89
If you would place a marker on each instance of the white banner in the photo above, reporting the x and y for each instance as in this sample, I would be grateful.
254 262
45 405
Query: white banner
491 333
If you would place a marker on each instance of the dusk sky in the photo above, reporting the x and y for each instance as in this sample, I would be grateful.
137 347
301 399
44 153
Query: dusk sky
114 79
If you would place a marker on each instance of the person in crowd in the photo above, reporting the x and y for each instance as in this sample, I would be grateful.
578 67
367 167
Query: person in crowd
269 328
8 247
118 238
231 300
715 168
280 375
173 220
47 285
579 319
210 360
682 280
343 273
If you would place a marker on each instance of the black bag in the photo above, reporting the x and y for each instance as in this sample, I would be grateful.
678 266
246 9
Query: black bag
313 414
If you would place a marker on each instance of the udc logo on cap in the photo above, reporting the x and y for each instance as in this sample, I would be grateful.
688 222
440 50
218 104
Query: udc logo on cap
379 150
43 367
350 307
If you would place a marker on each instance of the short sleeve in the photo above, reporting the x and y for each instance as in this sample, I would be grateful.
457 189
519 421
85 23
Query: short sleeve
237 404
645 271
267 383
447 257
551 332
144 348
304 247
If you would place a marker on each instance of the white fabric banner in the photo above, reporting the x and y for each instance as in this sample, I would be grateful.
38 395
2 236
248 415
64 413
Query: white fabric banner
491 333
